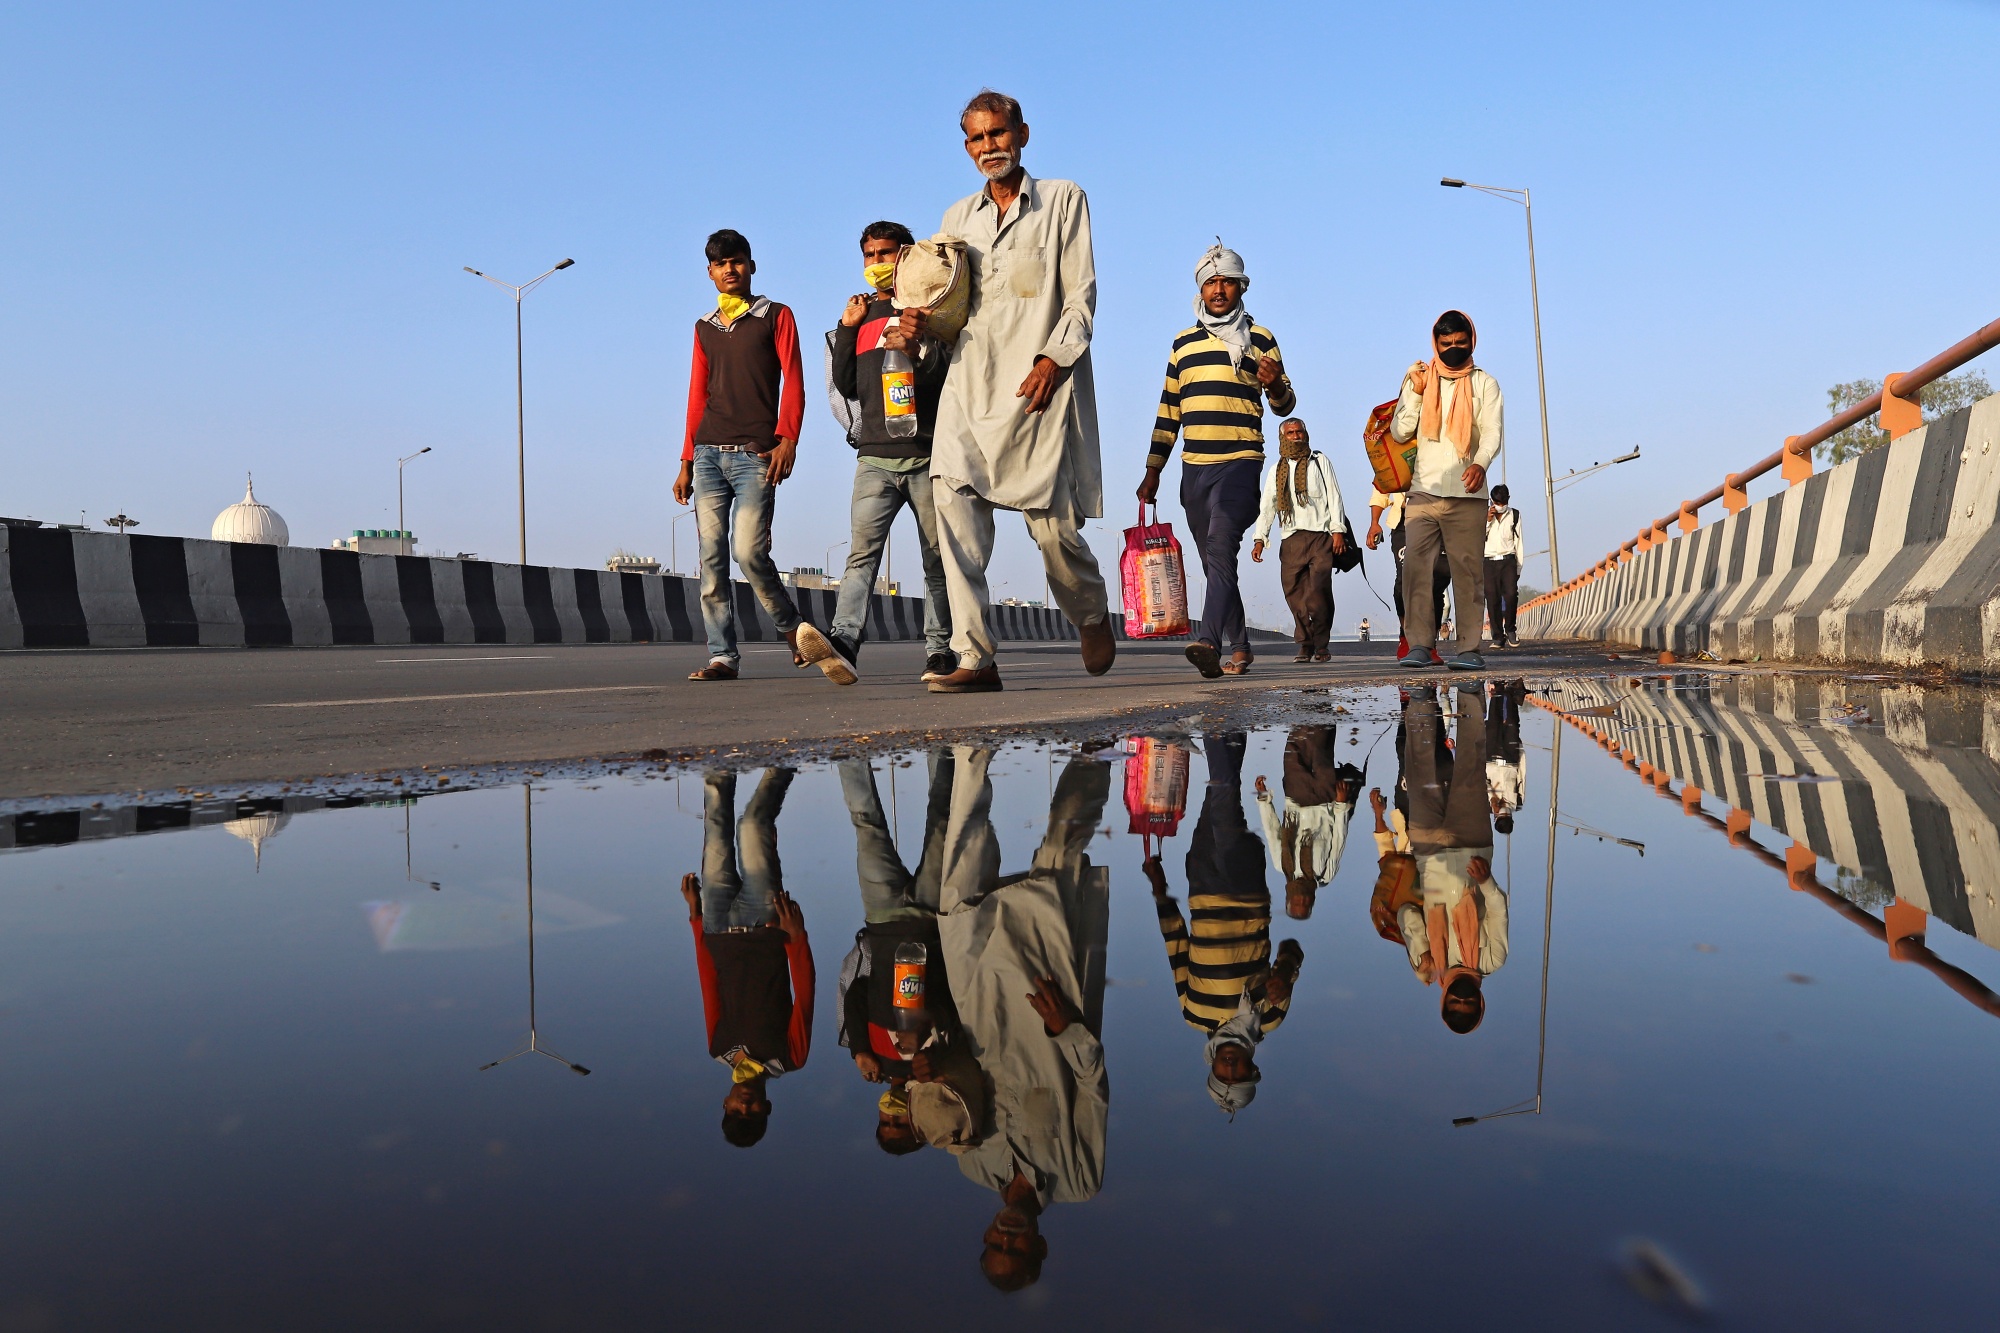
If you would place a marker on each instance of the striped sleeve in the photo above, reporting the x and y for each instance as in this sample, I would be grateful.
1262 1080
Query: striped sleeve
1173 929
1168 424
1281 396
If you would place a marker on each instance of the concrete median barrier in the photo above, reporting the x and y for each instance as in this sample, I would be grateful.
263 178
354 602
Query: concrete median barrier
1892 558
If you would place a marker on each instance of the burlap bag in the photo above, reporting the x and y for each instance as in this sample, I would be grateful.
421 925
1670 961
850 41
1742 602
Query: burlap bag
935 274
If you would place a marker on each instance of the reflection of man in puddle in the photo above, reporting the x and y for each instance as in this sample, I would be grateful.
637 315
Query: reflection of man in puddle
1229 986
750 949
1308 839
898 908
1504 767
1026 957
1455 928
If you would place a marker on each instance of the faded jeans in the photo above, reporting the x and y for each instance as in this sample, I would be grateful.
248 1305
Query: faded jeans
878 496
732 505
741 888
889 892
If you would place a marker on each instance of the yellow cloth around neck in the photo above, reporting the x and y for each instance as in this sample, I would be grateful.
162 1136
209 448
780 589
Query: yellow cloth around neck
880 276
745 1069
732 307
894 1102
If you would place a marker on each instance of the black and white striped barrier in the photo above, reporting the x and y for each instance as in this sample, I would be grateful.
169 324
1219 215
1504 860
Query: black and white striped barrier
1908 799
1893 558
65 589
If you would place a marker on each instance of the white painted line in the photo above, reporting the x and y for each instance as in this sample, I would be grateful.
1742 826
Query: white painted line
542 657
447 698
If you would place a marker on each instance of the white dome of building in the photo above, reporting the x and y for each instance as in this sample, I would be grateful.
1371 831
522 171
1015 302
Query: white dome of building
249 521
258 828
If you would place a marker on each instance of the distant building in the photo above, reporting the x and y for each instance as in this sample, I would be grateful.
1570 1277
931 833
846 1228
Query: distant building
250 522
378 541
624 562
811 576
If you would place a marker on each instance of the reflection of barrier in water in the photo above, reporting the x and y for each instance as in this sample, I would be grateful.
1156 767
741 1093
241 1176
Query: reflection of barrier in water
1526 1106
534 1046
1902 924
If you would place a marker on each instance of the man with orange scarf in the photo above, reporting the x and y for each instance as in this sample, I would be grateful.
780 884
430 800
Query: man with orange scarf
1451 408
1454 924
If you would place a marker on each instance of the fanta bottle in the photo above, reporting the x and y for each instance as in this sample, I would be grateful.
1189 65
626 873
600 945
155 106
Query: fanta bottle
899 398
912 962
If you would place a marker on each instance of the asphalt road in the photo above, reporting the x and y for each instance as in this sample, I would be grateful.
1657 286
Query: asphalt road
100 721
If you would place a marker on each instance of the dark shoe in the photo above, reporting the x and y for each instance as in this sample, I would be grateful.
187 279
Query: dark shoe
1467 661
986 680
1099 646
937 666
817 651
716 670
1207 659
1417 659
1322 657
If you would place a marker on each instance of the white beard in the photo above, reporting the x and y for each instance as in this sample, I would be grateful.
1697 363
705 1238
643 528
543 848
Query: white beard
998 166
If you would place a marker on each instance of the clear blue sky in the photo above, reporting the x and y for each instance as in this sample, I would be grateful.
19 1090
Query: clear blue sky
235 233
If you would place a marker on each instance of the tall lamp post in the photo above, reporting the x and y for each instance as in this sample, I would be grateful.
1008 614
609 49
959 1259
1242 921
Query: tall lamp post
401 527
520 402
1541 382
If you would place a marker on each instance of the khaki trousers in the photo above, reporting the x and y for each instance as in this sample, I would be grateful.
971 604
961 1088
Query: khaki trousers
1457 526
965 542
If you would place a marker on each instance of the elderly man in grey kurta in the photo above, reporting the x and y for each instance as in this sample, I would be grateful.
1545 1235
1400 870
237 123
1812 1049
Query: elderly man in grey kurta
1017 423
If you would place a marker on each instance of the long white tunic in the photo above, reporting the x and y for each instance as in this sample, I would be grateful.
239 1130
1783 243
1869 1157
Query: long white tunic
1034 294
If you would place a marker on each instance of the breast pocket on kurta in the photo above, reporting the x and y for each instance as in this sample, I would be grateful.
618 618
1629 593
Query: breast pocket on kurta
1025 276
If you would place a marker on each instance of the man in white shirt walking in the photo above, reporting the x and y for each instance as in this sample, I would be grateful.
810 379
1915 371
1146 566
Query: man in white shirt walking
1452 410
1503 568
1302 496
1017 421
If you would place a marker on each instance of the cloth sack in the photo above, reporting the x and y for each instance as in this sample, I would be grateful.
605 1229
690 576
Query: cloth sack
1155 580
1156 786
935 275
1395 465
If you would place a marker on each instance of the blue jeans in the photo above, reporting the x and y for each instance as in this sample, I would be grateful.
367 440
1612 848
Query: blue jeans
741 888
1221 501
730 493
879 495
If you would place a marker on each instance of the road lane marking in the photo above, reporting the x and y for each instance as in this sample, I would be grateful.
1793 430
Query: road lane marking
447 698
541 657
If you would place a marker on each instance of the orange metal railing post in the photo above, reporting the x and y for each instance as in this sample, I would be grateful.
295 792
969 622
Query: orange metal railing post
1903 921
1691 800
1800 864
1688 521
1737 824
1900 415
1797 466
1735 497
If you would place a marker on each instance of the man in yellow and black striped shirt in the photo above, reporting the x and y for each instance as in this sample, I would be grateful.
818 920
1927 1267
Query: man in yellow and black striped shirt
1220 952
1219 375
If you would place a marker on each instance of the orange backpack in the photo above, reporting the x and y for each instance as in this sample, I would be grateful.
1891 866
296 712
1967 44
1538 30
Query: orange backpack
1395 464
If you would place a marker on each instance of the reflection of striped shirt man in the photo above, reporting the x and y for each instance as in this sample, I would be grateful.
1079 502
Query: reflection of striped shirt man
1229 947
1214 405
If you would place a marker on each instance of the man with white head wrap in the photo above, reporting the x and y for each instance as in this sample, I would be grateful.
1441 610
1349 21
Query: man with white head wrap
1219 374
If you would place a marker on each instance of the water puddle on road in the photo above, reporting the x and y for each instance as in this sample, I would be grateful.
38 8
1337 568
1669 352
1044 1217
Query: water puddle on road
1331 1023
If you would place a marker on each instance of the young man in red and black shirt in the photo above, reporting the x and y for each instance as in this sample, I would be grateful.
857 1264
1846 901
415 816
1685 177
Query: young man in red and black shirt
746 401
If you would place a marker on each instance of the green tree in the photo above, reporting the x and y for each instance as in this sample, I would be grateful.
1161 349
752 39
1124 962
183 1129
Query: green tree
1940 397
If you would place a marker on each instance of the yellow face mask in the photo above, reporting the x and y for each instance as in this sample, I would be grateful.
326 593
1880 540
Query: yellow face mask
732 307
880 276
745 1069
894 1102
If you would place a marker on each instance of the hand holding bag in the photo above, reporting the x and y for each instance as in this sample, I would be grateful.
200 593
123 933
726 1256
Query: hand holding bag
1155 580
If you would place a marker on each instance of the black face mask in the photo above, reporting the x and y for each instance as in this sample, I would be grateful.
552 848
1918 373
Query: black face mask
1455 356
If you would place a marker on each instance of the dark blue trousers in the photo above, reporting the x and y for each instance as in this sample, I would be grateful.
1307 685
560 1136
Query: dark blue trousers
1221 501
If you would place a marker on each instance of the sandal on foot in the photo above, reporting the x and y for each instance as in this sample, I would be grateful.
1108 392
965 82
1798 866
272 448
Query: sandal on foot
1207 659
714 671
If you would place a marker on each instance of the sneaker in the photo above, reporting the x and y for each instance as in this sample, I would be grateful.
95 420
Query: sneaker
818 650
937 666
1402 647
1417 659
1513 641
1466 661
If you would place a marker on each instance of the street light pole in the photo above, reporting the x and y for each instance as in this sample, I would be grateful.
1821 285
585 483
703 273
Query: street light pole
520 399
1541 380
401 526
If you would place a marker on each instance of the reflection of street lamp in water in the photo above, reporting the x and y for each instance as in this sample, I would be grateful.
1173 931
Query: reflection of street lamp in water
1548 915
534 1046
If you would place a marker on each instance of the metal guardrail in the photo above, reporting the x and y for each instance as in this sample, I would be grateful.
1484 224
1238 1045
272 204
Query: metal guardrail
1896 400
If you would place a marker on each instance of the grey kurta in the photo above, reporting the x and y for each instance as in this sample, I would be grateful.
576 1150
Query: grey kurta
1050 1096
1034 294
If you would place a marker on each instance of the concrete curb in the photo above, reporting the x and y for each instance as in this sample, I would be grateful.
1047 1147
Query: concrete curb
1892 558
64 589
